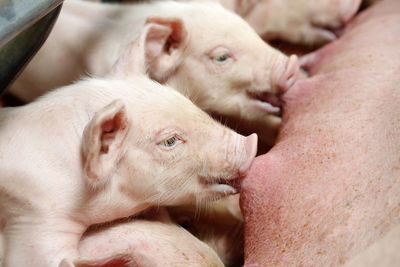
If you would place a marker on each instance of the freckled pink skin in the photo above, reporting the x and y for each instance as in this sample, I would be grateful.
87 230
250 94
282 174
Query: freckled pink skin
330 186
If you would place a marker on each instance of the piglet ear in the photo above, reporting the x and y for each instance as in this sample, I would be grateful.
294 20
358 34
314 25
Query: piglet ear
158 50
166 41
116 260
132 60
103 140
120 260
126 259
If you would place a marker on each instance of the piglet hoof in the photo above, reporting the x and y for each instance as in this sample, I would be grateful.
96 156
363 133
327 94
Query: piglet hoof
289 76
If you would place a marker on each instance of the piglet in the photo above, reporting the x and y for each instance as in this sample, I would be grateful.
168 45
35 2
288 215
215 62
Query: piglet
331 184
102 149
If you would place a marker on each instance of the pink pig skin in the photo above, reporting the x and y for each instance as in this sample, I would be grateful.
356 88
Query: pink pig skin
331 185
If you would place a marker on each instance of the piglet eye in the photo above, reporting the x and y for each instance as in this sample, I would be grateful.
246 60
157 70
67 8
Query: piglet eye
171 141
221 58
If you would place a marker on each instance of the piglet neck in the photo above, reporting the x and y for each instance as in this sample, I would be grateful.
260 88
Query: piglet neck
122 206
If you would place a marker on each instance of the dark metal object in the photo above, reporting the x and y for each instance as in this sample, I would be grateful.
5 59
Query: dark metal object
24 26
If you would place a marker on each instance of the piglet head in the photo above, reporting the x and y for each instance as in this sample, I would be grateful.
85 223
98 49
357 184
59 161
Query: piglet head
303 22
180 155
227 70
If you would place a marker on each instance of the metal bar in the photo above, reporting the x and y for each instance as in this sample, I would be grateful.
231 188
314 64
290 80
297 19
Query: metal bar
18 15
24 26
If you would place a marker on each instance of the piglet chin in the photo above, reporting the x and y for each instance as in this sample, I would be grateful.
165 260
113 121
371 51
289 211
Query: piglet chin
218 190
222 190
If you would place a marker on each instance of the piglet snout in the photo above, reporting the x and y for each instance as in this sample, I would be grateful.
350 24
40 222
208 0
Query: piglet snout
348 9
251 151
289 75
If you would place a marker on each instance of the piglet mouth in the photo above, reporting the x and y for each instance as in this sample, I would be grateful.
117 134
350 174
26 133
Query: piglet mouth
220 187
328 33
265 100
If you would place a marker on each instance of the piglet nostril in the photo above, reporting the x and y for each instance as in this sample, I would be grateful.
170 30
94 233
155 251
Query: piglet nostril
251 151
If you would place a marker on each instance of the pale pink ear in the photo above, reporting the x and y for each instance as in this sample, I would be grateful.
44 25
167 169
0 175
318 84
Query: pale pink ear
166 41
119 260
103 140
127 259
132 60
158 49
